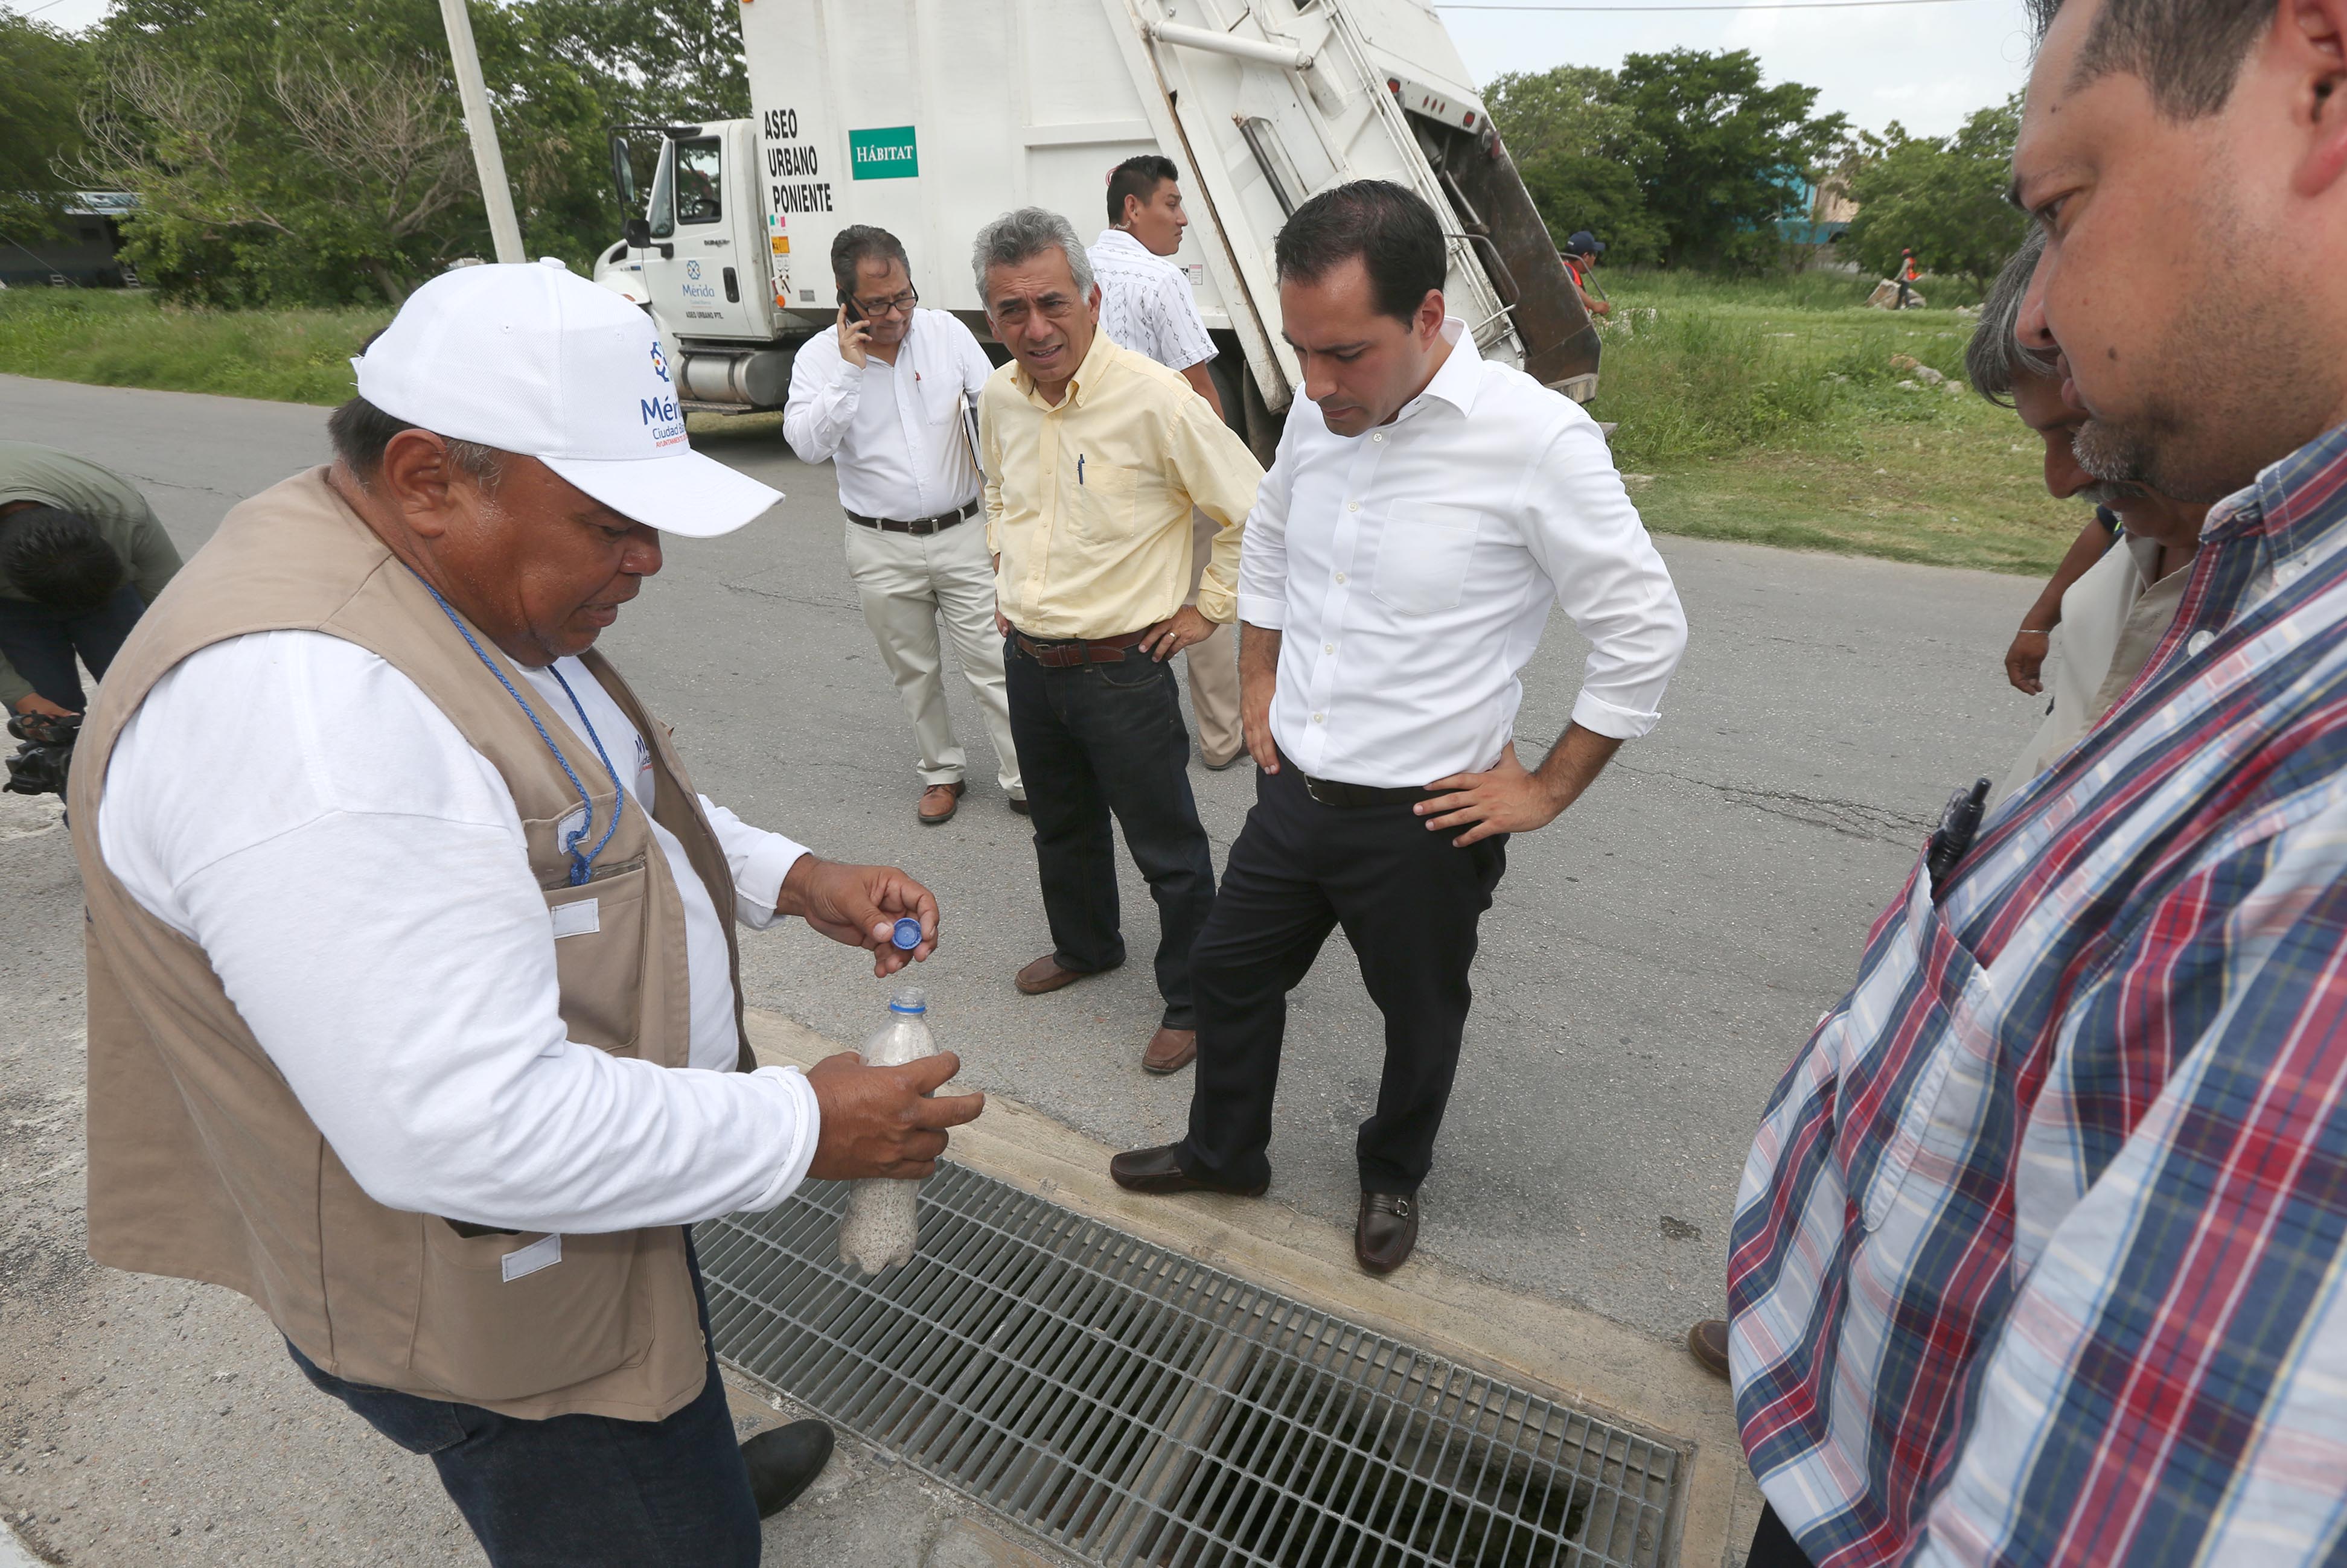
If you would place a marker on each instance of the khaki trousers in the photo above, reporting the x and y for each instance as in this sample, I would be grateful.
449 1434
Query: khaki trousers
1214 663
908 585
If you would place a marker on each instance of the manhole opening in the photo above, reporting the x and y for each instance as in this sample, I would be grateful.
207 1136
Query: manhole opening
1143 1411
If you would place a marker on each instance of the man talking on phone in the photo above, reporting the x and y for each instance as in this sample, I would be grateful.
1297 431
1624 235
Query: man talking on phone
889 395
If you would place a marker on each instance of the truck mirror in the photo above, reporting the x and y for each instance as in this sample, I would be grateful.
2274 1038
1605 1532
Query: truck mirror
638 232
623 172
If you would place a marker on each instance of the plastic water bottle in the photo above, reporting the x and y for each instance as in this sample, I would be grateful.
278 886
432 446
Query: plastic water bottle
881 1224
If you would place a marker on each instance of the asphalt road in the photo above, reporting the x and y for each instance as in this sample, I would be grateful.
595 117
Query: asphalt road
1653 960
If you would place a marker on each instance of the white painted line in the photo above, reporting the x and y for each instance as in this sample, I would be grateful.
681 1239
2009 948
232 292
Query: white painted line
13 1553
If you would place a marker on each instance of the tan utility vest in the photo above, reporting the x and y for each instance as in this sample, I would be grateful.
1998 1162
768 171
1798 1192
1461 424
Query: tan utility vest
202 1165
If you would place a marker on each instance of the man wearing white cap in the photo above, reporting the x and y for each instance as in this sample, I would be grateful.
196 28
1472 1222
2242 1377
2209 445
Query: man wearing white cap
414 1007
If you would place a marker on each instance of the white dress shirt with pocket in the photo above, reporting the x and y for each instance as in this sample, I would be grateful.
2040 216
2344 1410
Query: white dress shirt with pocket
1410 570
301 811
900 439
892 433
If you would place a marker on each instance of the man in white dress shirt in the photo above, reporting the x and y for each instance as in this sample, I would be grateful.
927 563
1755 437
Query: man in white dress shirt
414 1011
1395 577
1147 305
889 395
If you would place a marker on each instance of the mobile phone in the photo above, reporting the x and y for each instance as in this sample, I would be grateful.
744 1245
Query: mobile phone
847 304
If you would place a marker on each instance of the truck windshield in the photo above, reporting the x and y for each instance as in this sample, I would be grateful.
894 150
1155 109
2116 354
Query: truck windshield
663 206
698 193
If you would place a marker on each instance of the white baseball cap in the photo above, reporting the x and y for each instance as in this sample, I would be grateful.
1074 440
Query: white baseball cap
533 359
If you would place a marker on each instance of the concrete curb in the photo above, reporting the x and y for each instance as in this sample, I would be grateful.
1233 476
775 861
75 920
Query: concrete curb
15 1553
1547 1345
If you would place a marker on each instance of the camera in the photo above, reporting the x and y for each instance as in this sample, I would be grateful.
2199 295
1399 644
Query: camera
46 756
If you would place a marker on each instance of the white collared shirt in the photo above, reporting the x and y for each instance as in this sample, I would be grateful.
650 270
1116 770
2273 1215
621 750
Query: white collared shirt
1410 570
1146 302
894 434
356 875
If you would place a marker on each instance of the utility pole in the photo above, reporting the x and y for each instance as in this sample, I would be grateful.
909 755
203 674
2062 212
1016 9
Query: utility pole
486 159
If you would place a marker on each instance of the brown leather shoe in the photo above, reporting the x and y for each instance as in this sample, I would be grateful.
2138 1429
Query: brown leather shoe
938 802
1707 1343
1018 806
1170 1049
1385 1232
1156 1171
1045 974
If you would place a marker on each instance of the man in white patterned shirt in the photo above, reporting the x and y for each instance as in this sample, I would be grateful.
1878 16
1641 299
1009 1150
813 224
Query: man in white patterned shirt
1426 509
1146 306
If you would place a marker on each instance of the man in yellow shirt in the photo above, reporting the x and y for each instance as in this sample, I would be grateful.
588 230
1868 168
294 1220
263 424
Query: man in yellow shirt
1094 457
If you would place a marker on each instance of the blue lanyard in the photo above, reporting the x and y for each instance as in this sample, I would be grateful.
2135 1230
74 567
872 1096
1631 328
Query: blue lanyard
583 866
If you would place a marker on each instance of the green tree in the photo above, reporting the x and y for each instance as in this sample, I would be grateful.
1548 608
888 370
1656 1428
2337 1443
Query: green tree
1718 155
651 62
1572 138
1945 199
1575 191
42 72
294 150
1572 109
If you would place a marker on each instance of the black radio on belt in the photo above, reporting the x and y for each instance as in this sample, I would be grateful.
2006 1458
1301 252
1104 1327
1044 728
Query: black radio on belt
1958 824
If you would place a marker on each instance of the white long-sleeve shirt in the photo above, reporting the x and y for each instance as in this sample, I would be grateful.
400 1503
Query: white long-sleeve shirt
1410 569
357 877
893 433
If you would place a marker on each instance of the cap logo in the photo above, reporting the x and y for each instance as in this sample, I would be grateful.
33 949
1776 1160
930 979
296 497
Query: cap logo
660 415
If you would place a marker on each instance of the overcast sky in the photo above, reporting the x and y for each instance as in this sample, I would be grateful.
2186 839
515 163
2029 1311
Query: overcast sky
1925 66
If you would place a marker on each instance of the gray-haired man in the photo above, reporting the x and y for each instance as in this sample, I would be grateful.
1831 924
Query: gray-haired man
1094 457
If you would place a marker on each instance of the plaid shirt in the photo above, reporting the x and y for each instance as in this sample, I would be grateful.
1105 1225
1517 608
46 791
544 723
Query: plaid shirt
2041 1251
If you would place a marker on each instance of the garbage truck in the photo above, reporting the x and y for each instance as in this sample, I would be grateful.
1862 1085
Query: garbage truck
929 117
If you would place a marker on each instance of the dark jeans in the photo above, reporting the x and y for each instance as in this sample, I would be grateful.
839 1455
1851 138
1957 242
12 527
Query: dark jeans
41 642
581 1491
1773 1545
1100 738
1409 900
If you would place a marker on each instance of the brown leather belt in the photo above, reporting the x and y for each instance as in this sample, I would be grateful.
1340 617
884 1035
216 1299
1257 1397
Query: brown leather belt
919 528
1079 651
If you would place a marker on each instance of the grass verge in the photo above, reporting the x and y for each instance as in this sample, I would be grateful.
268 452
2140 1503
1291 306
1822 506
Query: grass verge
1781 413
1767 411
125 339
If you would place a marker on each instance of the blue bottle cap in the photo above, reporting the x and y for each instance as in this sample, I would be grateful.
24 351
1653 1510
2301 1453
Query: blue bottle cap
907 934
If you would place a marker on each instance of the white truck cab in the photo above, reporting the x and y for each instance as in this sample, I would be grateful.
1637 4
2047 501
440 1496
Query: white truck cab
929 117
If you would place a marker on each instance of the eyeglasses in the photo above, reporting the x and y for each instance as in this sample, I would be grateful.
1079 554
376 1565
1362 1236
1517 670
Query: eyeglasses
898 304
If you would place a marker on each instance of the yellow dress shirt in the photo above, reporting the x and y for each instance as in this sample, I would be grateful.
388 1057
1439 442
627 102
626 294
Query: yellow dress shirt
1089 504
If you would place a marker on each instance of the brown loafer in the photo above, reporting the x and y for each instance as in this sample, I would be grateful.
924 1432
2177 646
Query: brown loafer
1170 1050
1707 1343
938 802
1156 1171
1047 974
1018 806
1385 1232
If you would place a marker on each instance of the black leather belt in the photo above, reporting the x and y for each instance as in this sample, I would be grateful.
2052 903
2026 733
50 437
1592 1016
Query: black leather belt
1337 793
918 526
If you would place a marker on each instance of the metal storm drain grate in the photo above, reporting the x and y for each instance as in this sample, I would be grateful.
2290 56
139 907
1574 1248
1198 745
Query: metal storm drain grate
1138 1408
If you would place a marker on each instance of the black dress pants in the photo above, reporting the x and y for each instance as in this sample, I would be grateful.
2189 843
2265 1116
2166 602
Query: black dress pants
42 643
1409 900
1097 739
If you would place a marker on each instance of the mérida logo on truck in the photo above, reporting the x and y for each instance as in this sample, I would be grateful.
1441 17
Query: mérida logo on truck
944 119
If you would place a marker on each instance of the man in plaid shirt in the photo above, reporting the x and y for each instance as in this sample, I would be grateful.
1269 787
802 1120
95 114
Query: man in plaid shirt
2041 1251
